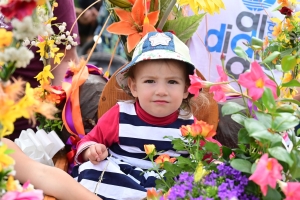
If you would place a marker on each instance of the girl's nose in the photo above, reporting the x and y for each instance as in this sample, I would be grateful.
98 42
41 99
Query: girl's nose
161 90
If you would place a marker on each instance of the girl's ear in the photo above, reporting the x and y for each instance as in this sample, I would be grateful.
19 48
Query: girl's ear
132 86
185 92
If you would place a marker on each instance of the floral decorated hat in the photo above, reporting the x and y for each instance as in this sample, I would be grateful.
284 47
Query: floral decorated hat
154 46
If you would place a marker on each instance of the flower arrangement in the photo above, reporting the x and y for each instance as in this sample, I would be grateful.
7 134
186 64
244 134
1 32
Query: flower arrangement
265 163
29 24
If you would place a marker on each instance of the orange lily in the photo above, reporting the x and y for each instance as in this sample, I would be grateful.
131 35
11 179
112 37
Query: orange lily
135 24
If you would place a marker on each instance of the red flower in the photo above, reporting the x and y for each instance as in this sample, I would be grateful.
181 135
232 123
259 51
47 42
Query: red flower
286 11
18 9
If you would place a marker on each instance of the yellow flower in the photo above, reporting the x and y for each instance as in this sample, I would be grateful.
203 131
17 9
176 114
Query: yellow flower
5 38
209 6
288 25
11 184
40 2
287 77
5 160
8 114
44 76
149 148
57 58
47 44
200 172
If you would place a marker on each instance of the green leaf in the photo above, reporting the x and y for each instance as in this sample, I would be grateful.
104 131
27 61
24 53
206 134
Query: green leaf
294 170
231 108
281 154
178 144
288 62
238 118
287 52
243 136
256 41
264 117
285 108
253 125
241 165
184 27
268 100
271 57
290 100
241 53
284 121
292 83
253 168
265 135
272 194
226 152
212 147
154 5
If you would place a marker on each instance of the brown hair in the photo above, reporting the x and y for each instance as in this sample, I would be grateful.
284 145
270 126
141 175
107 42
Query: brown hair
188 104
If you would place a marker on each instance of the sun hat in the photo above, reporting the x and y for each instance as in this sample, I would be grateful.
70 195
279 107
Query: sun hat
154 46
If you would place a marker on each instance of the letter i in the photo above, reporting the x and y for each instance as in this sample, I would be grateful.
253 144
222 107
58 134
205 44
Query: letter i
227 38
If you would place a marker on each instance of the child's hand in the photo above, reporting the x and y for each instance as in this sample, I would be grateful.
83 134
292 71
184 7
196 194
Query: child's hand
96 153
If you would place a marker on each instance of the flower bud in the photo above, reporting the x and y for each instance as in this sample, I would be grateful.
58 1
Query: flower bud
149 148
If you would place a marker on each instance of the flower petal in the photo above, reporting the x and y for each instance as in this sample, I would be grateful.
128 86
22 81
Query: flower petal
138 12
122 28
132 41
153 17
124 15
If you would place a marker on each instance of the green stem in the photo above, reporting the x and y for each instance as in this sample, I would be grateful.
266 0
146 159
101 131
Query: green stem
166 14
154 167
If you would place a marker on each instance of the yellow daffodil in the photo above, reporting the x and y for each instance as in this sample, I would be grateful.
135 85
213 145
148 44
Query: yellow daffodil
57 58
47 44
200 172
287 77
11 184
5 159
210 6
44 76
5 38
8 114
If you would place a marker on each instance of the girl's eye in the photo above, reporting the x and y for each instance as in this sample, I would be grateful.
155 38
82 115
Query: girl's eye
173 82
149 81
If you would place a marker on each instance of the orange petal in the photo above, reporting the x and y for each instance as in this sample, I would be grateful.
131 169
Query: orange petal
131 1
147 28
132 41
153 17
123 15
122 28
138 12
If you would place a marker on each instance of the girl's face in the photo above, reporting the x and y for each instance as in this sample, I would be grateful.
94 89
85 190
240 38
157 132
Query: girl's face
160 86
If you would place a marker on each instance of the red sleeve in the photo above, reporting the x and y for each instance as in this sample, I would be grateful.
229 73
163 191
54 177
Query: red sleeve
105 132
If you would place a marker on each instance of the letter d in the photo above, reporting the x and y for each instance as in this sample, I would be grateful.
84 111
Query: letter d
220 36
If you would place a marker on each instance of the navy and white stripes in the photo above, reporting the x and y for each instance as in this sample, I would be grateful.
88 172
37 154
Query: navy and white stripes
124 176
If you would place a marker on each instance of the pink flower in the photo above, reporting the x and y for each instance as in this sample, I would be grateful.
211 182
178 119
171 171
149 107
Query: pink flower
197 84
292 191
29 195
222 74
267 172
255 81
219 94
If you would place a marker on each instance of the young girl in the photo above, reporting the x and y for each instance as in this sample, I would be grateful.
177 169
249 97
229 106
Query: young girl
158 78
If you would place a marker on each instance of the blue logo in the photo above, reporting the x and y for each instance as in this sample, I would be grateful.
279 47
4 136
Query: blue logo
258 5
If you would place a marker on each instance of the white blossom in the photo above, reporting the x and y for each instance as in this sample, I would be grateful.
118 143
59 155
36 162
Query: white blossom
68 33
21 56
62 37
70 39
62 28
74 35
68 47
